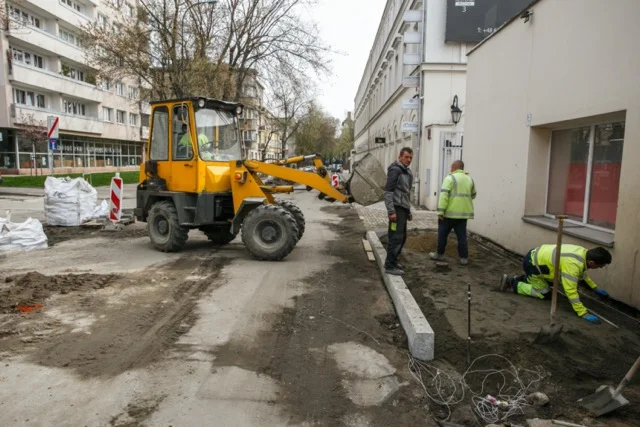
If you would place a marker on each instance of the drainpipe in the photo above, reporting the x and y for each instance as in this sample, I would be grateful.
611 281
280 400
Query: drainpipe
421 99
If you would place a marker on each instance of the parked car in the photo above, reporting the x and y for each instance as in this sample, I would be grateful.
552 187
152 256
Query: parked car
0 177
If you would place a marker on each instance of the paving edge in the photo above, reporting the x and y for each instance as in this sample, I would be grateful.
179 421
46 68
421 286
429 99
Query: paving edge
419 333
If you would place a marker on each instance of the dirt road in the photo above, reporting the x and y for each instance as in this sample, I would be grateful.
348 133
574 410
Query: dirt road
101 330
505 324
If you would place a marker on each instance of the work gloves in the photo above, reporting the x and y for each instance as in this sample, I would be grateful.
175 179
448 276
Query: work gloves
591 318
601 292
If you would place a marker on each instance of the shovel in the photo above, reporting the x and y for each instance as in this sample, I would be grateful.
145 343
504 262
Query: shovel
549 333
606 399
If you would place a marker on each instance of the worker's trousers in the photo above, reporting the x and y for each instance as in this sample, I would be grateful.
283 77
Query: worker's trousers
397 236
532 283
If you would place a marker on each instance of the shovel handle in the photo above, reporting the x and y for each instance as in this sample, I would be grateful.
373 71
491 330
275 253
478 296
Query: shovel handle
556 267
627 377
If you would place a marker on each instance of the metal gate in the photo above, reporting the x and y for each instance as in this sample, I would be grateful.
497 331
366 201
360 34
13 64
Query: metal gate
450 150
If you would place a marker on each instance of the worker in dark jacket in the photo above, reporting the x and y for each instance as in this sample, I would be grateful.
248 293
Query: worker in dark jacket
396 200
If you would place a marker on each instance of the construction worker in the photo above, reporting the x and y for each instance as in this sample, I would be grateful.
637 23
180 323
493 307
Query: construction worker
574 261
185 144
396 200
455 207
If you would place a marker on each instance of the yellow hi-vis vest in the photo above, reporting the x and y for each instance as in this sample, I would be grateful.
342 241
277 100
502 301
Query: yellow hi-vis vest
573 268
456 196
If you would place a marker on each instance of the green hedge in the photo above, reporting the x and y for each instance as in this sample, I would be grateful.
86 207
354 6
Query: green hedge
96 179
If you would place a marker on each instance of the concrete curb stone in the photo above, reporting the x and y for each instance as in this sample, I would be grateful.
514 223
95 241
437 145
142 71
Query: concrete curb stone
419 333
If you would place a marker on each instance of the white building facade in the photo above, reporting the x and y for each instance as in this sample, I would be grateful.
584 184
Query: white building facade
44 73
427 40
379 102
553 124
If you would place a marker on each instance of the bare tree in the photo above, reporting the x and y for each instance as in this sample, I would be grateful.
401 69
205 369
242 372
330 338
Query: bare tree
178 48
32 135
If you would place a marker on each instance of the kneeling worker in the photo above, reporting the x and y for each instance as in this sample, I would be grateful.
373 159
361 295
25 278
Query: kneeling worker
574 261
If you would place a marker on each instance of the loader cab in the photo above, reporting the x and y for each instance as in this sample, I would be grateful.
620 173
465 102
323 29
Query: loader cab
188 135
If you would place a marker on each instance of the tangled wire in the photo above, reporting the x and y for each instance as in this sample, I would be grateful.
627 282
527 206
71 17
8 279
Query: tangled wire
509 390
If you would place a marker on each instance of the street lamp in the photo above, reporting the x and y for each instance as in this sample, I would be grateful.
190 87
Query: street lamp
184 14
456 112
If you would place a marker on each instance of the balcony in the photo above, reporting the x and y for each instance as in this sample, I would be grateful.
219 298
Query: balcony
68 123
145 133
62 12
53 82
121 132
49 42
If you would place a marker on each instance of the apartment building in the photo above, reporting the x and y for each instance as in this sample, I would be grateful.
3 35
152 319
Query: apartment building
258 126
412 91
45 73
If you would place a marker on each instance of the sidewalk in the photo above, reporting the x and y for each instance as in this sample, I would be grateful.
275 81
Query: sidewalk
375 217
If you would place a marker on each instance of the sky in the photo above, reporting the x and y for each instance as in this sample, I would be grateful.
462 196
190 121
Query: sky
348 26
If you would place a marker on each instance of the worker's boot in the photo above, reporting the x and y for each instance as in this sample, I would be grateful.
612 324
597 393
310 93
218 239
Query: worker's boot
507 283
436 256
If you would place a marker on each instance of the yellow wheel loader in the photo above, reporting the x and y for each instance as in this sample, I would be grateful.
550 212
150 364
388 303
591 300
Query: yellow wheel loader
194 177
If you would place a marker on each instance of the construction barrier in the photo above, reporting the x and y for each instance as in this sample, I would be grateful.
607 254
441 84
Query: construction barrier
115 211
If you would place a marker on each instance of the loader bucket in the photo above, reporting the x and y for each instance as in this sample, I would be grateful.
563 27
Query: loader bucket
367 181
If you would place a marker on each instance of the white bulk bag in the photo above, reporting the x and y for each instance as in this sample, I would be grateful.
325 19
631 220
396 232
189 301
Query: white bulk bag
24 236
68 202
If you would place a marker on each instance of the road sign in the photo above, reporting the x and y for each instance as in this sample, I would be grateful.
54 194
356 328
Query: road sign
335 181
411 81
53 144
410 104
52 127
115 210
409 127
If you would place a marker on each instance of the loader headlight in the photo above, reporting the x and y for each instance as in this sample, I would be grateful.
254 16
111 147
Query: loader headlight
238 110
201 103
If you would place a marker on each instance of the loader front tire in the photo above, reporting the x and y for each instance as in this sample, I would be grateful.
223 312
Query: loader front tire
269 232
164 228
297 214
219 236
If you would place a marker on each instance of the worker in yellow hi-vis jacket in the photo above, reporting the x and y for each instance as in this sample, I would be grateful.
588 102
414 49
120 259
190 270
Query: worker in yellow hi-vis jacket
575 260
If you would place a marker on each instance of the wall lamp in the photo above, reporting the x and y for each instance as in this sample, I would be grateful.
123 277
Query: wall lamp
456 112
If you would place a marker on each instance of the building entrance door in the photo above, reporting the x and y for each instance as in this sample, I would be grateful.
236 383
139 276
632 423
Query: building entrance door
450 150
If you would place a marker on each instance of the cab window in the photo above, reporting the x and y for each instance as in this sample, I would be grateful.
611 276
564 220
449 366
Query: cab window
217 133
160 134
182 147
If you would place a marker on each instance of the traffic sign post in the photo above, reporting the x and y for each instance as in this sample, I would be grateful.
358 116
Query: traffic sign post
53 136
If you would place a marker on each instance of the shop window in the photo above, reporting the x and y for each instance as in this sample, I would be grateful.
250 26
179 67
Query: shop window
584 175
160 134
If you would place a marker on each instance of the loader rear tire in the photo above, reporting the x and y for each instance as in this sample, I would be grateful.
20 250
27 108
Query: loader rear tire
164 228
269 232
297 214
219 236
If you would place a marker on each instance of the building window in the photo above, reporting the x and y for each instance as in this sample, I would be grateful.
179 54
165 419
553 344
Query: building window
69 37
584 173
75 108
24 17
133 92
73 5
102 21
73 73
27 58
26 97
107 114
121 116
129 10
120 88
106 85
133 119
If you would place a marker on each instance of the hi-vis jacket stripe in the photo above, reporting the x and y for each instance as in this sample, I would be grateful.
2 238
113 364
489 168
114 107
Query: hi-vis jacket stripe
573 268
456 196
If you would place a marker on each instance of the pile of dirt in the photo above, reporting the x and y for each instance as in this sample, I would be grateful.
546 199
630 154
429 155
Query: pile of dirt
34 288
61 234
506 324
